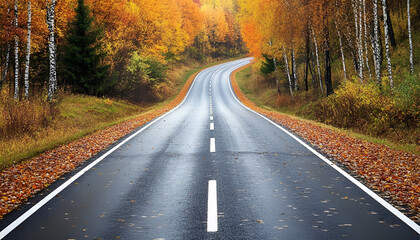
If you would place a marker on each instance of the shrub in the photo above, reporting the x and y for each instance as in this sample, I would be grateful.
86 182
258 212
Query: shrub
363 107
24 117
141 78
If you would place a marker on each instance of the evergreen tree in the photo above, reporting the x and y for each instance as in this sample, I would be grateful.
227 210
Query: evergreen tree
82 60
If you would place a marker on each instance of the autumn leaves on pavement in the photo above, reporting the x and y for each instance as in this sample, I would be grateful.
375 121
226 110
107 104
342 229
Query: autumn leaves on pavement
21 181
394 173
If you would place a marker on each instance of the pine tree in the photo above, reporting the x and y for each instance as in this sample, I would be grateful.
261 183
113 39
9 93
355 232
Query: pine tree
82 60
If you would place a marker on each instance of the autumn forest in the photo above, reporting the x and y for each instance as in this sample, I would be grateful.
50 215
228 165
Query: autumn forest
363 54
77 76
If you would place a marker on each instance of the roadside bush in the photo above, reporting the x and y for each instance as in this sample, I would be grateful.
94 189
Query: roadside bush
24 117
141 78
364 108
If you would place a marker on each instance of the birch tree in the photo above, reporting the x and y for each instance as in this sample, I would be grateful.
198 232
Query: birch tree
16 95
409 38
52 82
28 51
376 48
287 70
317 63
294 71
366 39
341 49
358 29
388 57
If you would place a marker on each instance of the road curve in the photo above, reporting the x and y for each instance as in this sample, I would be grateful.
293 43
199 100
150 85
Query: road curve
210 169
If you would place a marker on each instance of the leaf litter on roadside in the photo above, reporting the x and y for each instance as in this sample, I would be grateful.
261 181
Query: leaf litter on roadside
395 174
21 181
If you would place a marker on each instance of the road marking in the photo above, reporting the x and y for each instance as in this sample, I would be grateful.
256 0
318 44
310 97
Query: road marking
212 207
380 200
211 126
211 118
212 145
211 111
50 196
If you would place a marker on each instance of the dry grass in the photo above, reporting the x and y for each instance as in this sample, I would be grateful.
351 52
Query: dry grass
31 127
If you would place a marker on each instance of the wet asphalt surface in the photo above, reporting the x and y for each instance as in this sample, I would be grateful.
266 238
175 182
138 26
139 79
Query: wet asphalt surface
156 185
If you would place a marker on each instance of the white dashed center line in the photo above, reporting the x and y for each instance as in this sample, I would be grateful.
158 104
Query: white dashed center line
212 207
212 145
211 126
211 118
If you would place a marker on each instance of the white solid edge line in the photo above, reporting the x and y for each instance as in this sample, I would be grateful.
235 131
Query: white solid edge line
212 145
46 199
380 200
211 126
212 207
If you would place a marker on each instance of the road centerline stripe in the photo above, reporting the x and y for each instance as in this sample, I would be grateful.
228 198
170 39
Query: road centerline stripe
211 118
212 207
212 145
211 126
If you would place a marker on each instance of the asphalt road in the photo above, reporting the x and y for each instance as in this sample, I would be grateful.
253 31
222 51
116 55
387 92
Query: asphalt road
171 182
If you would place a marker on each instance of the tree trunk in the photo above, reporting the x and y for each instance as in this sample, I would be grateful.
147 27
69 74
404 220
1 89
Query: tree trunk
390 28
16 53
277 77
287 71
317 64
3 77
52 82
294 73
341 50
388 57
313 72
366 39
328 80
307 59
358 28
409 38
28 51
376 43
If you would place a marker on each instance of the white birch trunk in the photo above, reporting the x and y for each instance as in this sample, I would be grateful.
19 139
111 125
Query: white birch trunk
366 39
386 32
287 71
16 53
341 50
294 69
317 64
362 61
358 29
376 49
52 83
409 38
28 51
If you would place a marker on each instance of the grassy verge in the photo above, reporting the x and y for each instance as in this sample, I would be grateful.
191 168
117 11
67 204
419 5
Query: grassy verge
80 115
264 96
